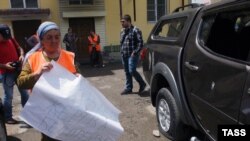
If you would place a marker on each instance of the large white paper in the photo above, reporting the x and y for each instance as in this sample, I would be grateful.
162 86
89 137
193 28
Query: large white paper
69 108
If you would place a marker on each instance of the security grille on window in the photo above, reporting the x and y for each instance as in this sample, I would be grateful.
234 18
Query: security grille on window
77 2
156 9
24 4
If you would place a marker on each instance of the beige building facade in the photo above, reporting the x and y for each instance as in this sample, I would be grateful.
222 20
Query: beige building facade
83 16
102 16
24 16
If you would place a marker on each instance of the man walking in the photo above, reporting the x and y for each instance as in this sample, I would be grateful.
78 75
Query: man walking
70 40
131 44
31 42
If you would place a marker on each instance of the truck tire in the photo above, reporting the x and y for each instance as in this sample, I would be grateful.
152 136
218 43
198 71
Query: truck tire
168 116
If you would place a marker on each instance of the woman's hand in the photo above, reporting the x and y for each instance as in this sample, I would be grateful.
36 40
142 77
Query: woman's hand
44 68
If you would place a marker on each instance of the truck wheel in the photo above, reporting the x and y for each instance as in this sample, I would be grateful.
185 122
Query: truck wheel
2 131
168 116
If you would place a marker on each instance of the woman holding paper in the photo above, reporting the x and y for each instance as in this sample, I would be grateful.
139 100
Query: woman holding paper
38 59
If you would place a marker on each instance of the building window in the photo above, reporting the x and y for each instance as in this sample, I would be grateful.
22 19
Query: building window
156 9
77 2
24 4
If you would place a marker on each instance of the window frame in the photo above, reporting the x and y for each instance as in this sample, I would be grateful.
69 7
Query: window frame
155 11
24 5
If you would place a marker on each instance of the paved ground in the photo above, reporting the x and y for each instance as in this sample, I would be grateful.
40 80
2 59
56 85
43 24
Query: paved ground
137 118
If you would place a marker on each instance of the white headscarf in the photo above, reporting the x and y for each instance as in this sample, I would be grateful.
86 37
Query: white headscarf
43 28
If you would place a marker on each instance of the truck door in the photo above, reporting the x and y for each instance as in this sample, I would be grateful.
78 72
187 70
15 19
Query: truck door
244 117
215 64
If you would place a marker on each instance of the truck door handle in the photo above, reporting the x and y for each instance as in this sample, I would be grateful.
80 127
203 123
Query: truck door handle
191 67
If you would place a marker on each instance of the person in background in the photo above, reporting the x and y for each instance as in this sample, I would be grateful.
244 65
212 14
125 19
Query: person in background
38 61
11 57
70 40
131 44
31 42
94 49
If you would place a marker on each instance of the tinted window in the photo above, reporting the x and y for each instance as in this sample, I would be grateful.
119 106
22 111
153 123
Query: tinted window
170 28
227 34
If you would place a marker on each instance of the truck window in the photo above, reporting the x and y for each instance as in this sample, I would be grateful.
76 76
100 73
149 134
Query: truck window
227 34
170 28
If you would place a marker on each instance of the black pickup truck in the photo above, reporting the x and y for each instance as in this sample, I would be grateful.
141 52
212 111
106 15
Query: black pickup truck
197 64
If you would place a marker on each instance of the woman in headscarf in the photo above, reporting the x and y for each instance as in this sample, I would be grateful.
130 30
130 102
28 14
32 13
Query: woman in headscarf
38 59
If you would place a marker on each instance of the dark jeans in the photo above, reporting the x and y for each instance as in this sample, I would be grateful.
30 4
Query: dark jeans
130 64
8 81
96 58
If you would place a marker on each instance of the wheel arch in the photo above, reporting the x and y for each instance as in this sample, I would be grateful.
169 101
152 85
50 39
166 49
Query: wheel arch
163 77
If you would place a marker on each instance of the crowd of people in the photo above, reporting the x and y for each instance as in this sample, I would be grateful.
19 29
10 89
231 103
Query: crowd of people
46 46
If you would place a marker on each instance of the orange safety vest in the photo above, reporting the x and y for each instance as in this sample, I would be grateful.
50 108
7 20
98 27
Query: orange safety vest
66 59
94 41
